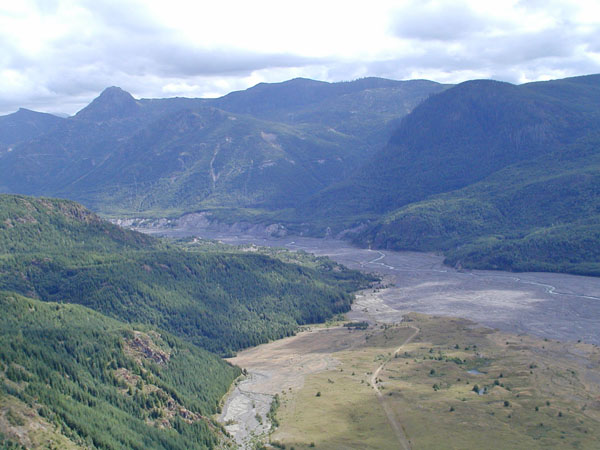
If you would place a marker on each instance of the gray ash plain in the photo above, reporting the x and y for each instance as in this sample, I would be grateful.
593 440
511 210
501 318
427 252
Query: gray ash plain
556 306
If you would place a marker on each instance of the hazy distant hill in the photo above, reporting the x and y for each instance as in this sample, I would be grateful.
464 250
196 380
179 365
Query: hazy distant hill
498 176
212 158
298 99
268 147
463 135
23 125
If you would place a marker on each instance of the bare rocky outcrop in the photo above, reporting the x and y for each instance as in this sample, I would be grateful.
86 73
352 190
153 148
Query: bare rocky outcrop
203 221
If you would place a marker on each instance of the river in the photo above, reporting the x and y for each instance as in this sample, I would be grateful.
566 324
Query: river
554 306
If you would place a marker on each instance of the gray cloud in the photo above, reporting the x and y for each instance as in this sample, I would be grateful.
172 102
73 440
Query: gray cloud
127 39
121 43
432 20
454 38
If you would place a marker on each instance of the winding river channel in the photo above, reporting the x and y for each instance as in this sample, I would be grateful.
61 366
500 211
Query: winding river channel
549 305
557 306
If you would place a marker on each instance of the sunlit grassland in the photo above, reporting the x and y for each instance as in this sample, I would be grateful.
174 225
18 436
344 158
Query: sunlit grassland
535 393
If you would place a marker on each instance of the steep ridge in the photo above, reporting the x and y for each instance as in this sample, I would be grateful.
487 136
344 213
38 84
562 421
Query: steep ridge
459 137
112 104
222 299
530 195
280 142
47 163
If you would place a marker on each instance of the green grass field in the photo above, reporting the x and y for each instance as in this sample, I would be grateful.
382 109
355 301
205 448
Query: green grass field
535 393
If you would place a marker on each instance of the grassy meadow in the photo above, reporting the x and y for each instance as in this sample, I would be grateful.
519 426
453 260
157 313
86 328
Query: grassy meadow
531 392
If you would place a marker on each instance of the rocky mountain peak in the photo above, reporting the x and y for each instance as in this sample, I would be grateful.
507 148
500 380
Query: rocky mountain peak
112 103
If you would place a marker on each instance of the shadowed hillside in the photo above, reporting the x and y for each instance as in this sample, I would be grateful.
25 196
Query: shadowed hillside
497 176
222 299
268 147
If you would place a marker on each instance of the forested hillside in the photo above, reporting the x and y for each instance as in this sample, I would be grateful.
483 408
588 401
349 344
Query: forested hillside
463 135
496 175
57 250
88 353
538 215
72 377
39 225
268 147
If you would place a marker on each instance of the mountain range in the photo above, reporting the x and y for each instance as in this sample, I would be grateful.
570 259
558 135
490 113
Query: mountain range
267 147
497 176
493 174
110 338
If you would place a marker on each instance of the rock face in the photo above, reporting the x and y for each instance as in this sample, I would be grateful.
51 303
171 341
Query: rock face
112 104
204 221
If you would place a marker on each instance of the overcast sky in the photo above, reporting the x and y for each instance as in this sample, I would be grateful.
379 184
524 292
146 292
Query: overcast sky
57 55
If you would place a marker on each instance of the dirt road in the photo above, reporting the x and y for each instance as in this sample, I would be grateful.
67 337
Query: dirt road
389 412
275 367
556 306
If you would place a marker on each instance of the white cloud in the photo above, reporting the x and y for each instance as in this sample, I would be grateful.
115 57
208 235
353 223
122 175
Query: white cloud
439 21
57 55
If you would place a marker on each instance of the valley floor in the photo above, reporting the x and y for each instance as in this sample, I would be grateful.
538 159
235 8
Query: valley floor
446 383
518 372
411 385
551 305
279 367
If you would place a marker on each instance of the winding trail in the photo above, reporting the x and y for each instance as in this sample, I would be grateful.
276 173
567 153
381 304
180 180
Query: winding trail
389 412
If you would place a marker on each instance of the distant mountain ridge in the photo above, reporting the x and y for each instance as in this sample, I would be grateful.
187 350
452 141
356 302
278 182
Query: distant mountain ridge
113 103
401 165
496 175
266 147
271 100
463 135
25 124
